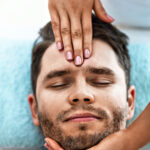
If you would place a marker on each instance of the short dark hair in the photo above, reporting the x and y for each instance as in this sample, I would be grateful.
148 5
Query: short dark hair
101 30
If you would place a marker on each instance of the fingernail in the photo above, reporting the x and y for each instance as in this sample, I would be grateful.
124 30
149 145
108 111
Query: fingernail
47 143
46 146
69 55
46 140
59 45
110 18
86 53
78 60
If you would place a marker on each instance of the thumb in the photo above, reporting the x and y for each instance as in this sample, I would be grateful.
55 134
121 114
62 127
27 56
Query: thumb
52 144
101 13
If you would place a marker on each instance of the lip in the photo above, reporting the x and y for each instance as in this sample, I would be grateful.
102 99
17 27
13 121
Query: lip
82 117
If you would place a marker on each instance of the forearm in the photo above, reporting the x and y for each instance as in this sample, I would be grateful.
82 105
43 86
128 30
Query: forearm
139 130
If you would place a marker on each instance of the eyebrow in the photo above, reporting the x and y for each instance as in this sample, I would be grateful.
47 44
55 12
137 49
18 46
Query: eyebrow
93 70
56 73
101 71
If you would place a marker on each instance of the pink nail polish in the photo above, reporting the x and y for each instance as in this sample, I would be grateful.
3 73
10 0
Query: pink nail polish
86 53
69 55
46 145
59 45
110 18
78 60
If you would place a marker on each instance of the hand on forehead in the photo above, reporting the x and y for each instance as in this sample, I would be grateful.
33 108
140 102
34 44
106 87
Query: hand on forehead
103 56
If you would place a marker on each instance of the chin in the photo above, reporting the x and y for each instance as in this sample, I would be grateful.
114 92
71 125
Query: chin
83 136
83 140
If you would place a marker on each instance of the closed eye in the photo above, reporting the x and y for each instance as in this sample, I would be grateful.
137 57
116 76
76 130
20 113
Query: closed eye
104 83
58 85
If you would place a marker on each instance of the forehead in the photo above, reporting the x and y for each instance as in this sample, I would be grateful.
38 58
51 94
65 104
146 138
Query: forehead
102 56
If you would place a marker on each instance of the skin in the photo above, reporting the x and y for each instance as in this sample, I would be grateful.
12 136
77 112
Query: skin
123 139
72 26
109 97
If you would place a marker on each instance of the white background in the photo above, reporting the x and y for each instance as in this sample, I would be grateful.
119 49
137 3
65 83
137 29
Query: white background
22 19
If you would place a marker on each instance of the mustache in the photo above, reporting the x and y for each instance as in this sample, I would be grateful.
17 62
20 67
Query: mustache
97 111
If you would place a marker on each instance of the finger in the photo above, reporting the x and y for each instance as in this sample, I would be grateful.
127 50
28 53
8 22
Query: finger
52 144
65 34
87 33
46 146
101 13
56 28
76 35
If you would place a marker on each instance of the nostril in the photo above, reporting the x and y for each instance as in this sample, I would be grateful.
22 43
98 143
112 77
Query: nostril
75 100
86 99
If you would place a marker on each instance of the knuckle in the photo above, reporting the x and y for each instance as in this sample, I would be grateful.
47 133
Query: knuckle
67 47
76 34
57 38
86 44
77 52
103 10
87 30
65 30
55 25
73 6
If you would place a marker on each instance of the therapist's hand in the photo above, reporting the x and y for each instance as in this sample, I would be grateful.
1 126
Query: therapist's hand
72 26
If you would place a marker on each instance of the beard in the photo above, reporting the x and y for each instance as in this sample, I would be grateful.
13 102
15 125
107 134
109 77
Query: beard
52 129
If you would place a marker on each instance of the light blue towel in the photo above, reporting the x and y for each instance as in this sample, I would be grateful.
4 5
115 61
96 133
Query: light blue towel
140 74
16 127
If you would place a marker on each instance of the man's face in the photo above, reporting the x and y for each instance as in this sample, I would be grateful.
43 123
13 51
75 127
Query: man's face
79 106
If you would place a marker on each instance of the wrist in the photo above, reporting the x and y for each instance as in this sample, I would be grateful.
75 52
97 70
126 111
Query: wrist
137 132
130 140
134 140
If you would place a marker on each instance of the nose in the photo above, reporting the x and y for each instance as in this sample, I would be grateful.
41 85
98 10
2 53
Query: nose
82 96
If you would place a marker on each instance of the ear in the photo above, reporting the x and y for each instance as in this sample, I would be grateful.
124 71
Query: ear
131 102
33 108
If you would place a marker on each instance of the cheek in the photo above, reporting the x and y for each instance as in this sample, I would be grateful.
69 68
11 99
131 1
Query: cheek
118 96
51 102
113 97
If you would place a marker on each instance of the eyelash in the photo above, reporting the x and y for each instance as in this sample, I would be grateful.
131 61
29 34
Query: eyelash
102 83
98 84
59 85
